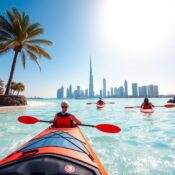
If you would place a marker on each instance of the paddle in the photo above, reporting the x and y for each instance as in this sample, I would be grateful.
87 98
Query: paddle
166 106
104 103
109 128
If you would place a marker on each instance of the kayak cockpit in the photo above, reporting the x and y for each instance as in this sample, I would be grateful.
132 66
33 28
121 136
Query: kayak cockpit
48 164
31 162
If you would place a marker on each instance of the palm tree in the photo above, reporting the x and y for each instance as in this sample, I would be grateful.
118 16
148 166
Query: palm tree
12 87
1 87
20 87
17 33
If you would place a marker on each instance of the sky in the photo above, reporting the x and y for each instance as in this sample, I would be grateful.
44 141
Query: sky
127 40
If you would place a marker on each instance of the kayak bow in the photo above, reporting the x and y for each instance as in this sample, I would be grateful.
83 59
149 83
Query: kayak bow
54 151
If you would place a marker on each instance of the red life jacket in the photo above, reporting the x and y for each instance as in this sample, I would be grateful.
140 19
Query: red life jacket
63 121
147 106
100 102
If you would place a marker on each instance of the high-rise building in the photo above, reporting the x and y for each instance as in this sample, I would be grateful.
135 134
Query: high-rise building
86 93
150 90
91 85
78 91
143 91
153 90
156 91
101 93
125 88
112 92
67 93
108 93
120 91
60 92
104 87
134 90
115 92
70 91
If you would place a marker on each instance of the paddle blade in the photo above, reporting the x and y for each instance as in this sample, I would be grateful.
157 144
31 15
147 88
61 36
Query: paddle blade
109 128
111 102
88 103
169 105
28 119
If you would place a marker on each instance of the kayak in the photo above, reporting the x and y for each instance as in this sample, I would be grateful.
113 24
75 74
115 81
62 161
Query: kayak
55 151
99 106
147 111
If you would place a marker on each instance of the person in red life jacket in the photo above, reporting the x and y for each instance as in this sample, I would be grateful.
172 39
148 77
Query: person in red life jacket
100 101
146 104
171 100
64 119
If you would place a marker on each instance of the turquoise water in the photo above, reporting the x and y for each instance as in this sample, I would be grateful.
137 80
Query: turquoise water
145 146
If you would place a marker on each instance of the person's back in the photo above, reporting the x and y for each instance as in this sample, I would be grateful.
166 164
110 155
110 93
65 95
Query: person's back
146 104
171 100
100 102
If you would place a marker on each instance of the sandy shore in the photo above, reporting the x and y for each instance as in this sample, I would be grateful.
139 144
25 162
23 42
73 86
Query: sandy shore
30 104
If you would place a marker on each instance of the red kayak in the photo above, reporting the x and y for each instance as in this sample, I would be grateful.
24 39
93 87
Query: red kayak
147 111
55 151
99 106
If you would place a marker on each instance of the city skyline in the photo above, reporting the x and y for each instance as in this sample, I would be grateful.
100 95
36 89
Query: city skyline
121 91
150 90
123 39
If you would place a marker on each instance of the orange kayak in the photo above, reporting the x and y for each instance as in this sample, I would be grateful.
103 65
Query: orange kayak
55 151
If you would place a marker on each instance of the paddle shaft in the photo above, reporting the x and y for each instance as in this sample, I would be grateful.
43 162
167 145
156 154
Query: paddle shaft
76 124
86 125
45 121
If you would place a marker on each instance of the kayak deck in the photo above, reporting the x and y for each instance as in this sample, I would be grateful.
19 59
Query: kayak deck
57 151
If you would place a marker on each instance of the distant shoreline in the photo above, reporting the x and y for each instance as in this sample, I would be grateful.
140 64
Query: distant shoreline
168 96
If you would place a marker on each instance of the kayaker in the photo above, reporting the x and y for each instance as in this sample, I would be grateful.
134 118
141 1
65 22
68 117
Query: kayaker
146 104
64 119
100 101
171 100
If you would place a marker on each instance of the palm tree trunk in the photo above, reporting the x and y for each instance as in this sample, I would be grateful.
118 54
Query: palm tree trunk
11 73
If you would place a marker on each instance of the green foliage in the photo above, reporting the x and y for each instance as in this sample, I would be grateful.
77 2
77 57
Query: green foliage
19 87
21 36
1 87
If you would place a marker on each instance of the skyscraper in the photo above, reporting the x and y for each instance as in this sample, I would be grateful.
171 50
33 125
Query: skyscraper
101 93
60 92
91 85
112 92
120 91
153 90
134 90
104 87
126 88
156 91
143 91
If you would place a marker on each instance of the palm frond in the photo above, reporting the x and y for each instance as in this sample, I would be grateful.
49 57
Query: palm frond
3 39
38 50
32 27
5 34
34 33
11 17
33 57
25 22
16 13
39 41
5 25
4 51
